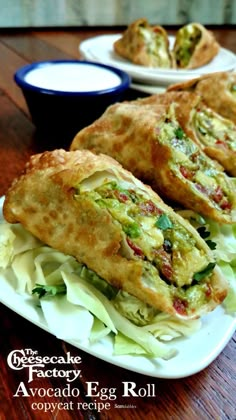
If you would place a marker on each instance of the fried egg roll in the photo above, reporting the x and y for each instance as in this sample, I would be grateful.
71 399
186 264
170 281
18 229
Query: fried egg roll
89 207
145 45
150 142
194 46
218 91
215 134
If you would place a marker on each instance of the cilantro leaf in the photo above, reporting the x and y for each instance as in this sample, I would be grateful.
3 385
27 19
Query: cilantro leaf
163 222
42 290
212 245
203 232
205 272
179 133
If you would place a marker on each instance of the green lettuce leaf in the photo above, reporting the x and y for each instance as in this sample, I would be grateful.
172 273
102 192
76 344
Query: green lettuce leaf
229 270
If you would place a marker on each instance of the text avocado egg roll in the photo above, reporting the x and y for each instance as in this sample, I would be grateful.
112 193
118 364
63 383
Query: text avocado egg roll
215 134
217 89
89 207
150 142
194 46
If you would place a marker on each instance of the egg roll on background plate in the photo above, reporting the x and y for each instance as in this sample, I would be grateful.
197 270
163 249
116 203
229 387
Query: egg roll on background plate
150 142
194 46
145 45
215 134
89 207
217 89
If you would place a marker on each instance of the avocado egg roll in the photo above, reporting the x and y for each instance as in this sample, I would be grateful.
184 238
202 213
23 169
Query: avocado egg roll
150 142
144 45
194 46
218 91
215 134
89 207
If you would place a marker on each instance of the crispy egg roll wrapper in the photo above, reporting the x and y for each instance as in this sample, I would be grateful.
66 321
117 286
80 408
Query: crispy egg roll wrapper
194 46
144 45
144 139
57 200
215 134
218 91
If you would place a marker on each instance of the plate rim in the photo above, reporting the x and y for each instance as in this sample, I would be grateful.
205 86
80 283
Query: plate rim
150 75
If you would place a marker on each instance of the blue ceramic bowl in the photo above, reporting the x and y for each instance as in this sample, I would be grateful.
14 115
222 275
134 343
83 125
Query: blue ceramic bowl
63 96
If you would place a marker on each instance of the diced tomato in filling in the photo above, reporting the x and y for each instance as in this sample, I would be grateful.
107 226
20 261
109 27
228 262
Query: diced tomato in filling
180 306
226 205
137 250
165 266
166 270
202 189
218 194
218 197
208 291
148 207
186 172
121 196
221 143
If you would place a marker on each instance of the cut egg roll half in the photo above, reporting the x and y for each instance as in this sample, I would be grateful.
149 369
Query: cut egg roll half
88 206
217 89
215 134
150 142
194 46
144 45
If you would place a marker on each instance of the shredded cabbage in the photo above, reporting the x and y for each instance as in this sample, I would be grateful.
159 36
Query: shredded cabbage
7 239
14 239
77 304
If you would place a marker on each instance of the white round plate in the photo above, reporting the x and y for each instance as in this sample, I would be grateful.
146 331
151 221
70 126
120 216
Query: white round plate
100 49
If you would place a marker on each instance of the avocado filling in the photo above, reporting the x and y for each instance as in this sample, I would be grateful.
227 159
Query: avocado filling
232 89
191 164
156 46
172 258
187 39
212 129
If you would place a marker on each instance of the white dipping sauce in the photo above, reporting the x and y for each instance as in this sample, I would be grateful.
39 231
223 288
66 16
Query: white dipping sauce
72 77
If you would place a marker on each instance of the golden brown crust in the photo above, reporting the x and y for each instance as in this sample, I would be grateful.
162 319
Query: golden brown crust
187 103
43 200
204 52
139 50
216 90
129 133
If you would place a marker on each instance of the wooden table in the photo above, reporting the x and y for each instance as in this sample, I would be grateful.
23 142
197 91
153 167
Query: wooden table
210 394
